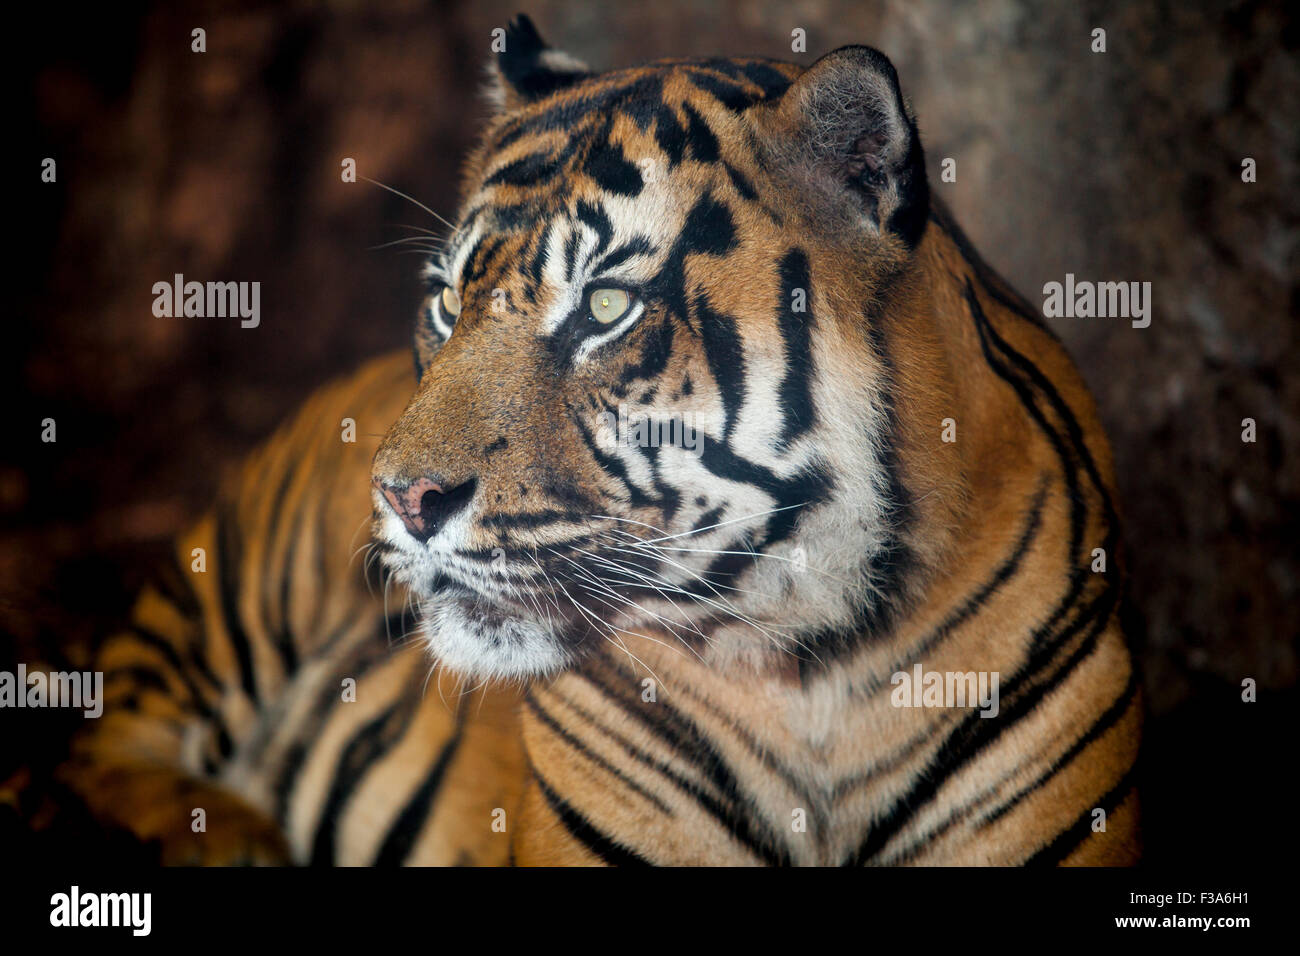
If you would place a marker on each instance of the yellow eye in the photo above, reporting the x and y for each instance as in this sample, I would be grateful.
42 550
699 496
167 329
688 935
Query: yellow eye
609 305
450 301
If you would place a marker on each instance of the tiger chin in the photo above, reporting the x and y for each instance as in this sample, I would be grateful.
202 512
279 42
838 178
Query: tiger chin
728 478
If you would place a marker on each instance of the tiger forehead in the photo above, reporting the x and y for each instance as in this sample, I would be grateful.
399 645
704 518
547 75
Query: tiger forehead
648 94
609 136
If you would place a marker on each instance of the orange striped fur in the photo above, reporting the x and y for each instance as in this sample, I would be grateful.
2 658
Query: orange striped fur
640 657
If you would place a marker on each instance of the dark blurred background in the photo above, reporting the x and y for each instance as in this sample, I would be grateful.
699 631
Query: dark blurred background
225 165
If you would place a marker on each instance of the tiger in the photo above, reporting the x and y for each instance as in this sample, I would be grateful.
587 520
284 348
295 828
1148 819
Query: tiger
720 440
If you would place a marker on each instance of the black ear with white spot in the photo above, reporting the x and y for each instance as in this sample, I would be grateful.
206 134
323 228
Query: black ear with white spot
526 69
846 131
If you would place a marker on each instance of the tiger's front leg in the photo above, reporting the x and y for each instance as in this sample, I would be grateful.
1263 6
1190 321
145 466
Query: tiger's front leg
192 822
139 767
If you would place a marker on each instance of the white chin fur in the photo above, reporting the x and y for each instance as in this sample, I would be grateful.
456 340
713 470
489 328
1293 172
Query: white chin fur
510 650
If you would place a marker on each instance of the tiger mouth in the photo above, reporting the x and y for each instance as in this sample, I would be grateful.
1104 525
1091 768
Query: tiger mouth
491 637
494 607
503 606
529 619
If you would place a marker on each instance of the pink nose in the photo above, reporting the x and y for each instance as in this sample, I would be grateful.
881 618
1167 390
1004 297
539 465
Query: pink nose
424 505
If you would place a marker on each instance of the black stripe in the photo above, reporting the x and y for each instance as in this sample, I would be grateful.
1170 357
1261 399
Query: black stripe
762 753
612 171
687 740
227 559
845 787
726 91
1107 720
670 135
764 74
997 287
636 246
741 183
975 733
1009 567
594 217
283 637
576 109
809 487
482 255
1069 839
1022 706
171 580
1041 381
725 355
1029 399
894 560
401 836
556 728
637 498
531 519
1007 570
286 778
138 675
796 336
699 137
649 761
183 668
709 518
538 262
709 229
656 350
363 750
581 829
530 170
571 254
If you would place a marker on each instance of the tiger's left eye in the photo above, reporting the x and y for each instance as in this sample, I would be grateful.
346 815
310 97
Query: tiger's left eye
609 305
450 301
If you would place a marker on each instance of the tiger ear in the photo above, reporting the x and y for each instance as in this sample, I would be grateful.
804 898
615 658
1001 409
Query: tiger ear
526 69
844 129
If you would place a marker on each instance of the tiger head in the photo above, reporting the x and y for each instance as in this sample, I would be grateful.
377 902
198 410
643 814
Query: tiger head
657 393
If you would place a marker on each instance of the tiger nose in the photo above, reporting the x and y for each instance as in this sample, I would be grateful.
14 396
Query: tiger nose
425 505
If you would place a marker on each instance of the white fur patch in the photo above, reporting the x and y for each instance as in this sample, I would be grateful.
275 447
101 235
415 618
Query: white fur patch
510 648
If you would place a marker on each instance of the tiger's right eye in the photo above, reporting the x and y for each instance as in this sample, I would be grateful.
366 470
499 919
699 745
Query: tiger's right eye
450 301
609 305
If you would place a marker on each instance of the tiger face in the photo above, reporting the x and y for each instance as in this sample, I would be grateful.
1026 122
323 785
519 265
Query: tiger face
650 399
